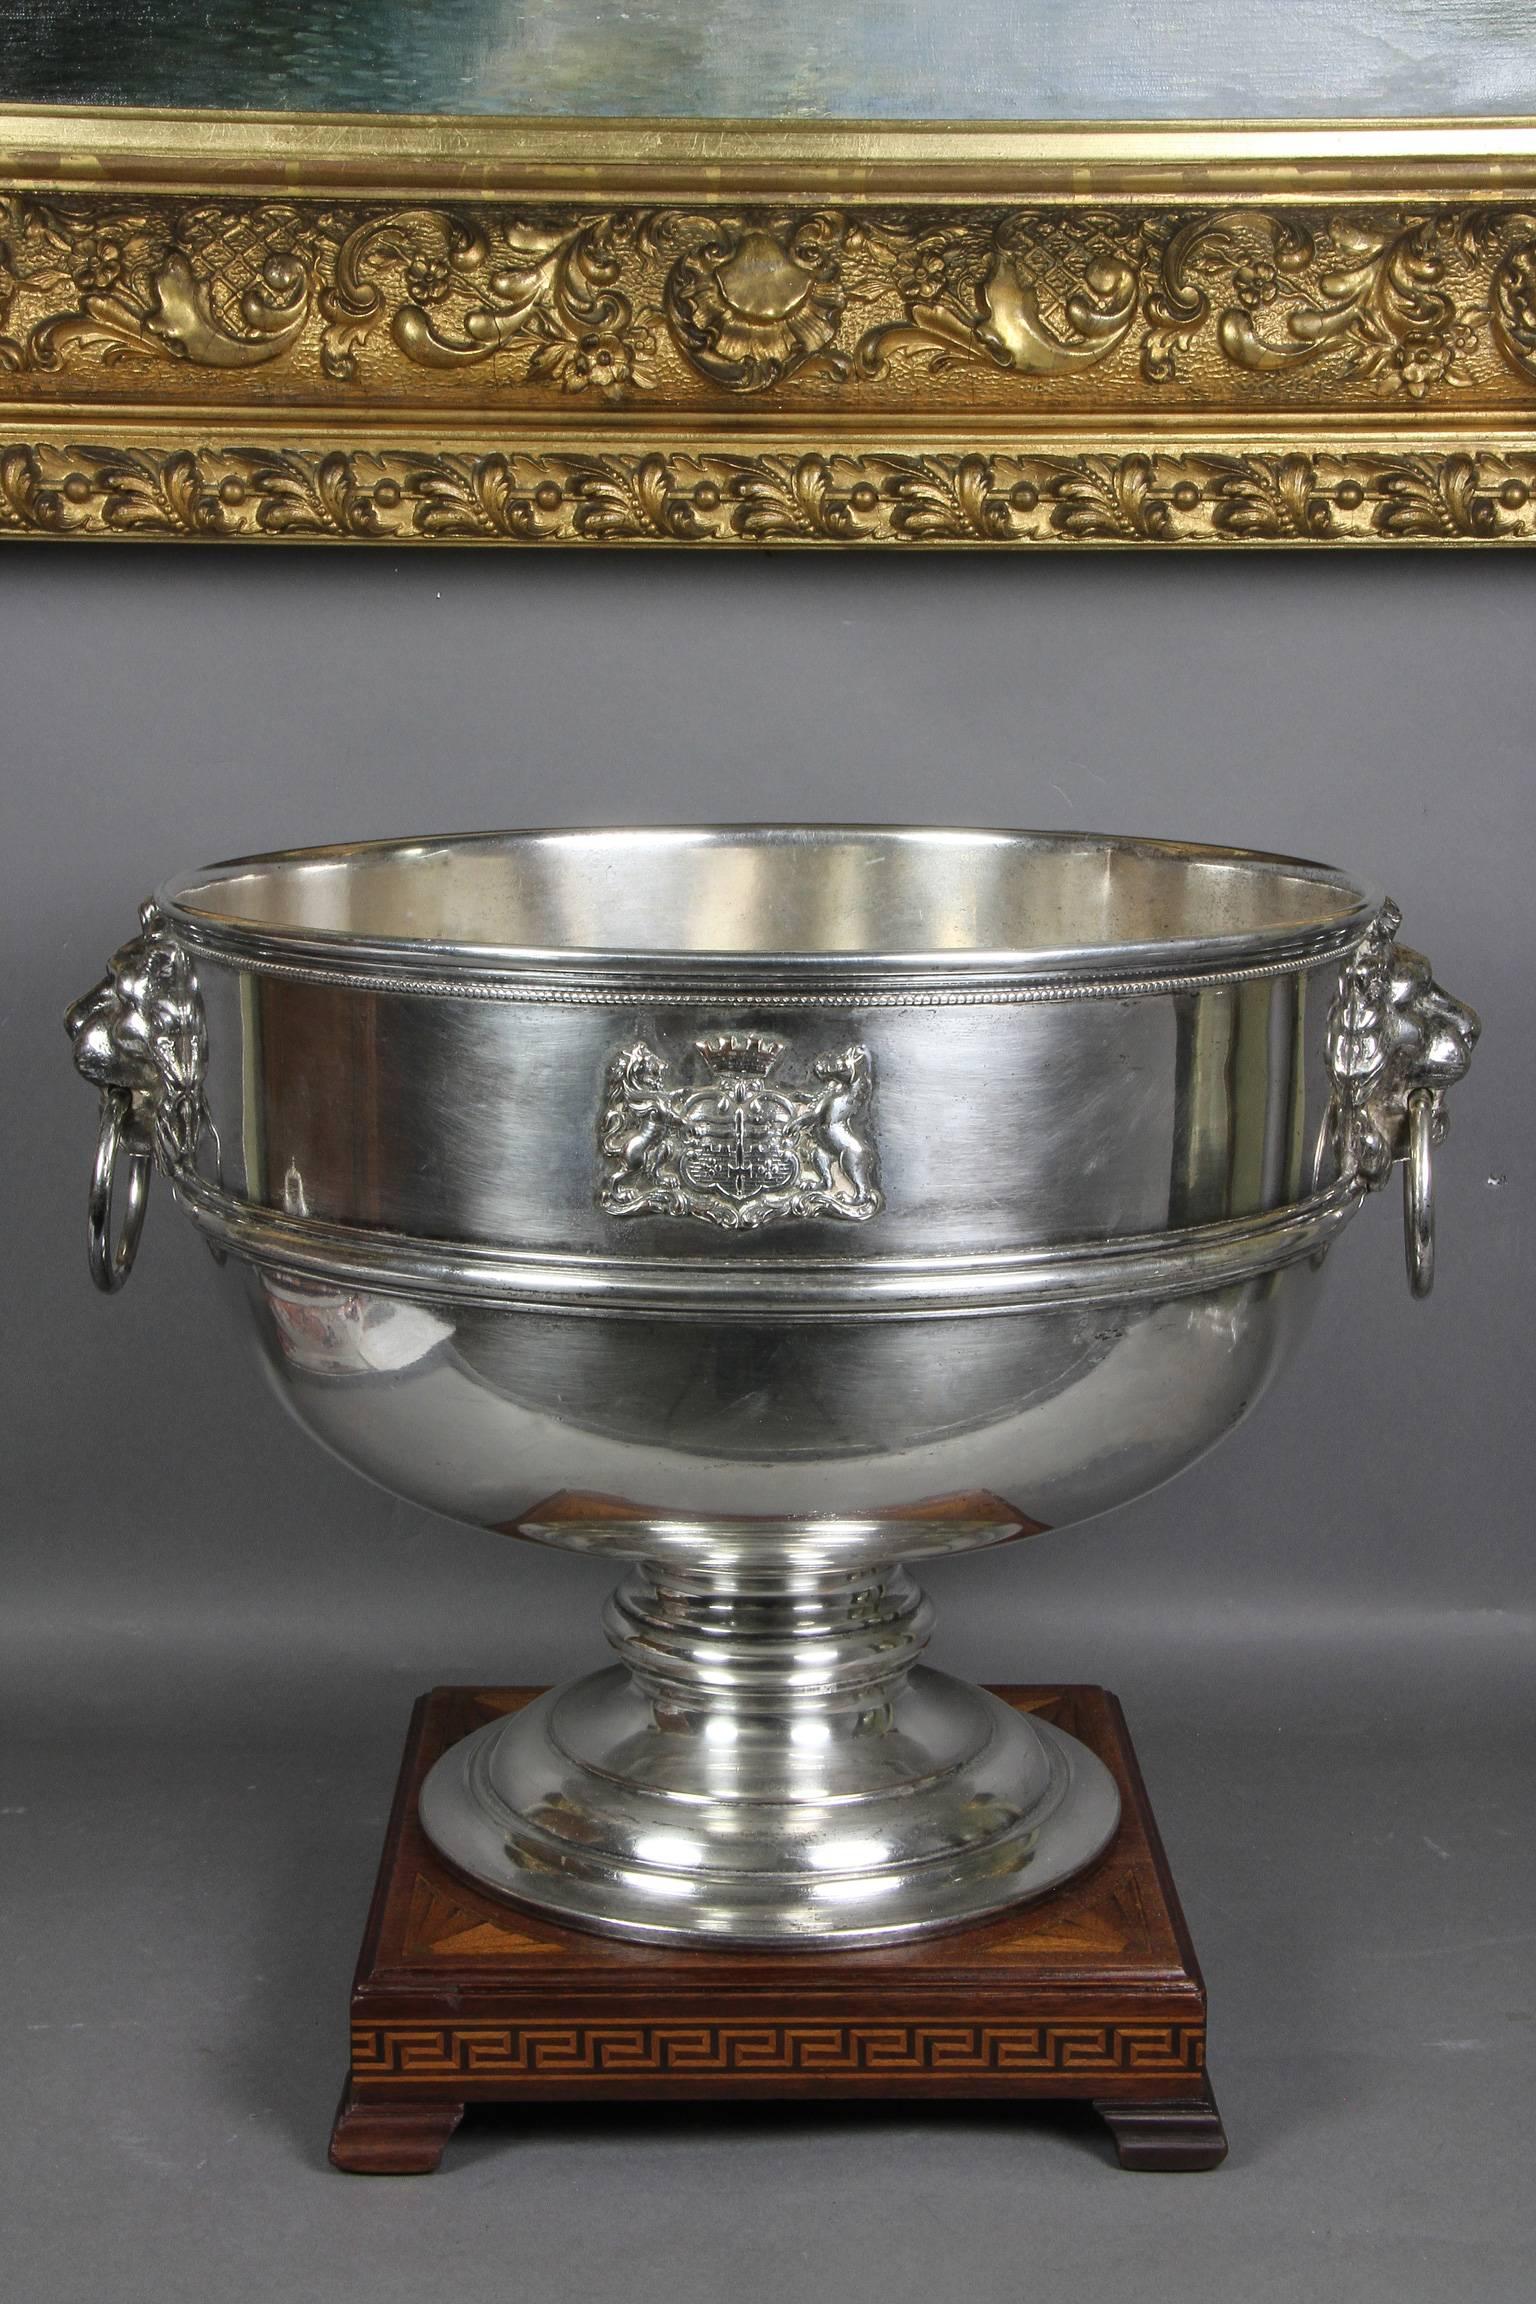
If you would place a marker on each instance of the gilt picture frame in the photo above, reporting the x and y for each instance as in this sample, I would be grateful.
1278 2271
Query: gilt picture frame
511 306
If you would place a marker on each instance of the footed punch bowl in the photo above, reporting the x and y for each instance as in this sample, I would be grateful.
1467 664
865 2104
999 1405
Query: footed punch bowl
769 1207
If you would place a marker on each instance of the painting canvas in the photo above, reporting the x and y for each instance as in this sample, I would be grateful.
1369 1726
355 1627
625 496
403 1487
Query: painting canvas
782 59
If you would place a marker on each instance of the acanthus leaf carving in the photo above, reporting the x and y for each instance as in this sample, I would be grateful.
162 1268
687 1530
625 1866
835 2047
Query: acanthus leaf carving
1100 498
801 495
297 496
781 499
935 501
1428 496
462 497
654 499
154 495
1274 499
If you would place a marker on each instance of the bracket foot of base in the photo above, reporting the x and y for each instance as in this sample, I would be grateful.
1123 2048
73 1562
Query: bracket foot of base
393 2139
1184 2133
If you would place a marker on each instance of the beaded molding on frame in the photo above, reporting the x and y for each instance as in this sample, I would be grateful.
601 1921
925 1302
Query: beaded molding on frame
284 494
1077 337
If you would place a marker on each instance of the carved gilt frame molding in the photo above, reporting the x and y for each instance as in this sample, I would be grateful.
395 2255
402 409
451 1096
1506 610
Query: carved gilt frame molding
293 327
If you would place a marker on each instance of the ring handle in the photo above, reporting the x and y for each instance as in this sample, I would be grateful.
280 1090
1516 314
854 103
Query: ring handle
1397 1043
1419 1192
117 1141
141 1037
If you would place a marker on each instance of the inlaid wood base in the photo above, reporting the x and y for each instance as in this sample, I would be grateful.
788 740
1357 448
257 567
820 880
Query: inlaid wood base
1091 1993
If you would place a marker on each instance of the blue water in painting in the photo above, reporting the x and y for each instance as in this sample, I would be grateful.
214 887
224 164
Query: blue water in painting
808 59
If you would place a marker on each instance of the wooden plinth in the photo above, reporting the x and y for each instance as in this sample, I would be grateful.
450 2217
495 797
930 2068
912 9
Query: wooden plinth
1091 1993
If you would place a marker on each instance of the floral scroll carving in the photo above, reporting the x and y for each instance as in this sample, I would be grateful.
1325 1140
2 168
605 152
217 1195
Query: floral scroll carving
1514 298
453 292
1372 292
1017 309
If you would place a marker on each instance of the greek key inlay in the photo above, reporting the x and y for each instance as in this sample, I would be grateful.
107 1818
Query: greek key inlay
557 2050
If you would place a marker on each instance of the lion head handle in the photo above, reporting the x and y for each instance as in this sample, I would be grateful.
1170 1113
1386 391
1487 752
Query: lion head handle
1396 1044
140 1036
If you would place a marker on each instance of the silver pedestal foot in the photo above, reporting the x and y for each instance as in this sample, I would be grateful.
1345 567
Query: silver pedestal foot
769 1764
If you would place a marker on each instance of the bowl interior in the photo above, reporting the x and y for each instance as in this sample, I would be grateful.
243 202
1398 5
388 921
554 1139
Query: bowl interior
792 890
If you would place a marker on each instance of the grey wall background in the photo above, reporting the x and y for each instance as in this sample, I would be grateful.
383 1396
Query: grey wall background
1321 1632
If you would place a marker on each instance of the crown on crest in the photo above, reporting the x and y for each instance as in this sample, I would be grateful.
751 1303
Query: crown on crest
746 1055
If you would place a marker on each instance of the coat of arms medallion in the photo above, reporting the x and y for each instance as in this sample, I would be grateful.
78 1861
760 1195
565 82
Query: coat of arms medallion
743 1142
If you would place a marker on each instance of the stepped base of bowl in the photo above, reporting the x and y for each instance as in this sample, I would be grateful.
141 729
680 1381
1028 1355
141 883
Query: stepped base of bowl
932 1809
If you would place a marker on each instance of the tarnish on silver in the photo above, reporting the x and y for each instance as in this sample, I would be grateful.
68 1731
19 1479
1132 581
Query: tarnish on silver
1396 1043
141 1037
742 1144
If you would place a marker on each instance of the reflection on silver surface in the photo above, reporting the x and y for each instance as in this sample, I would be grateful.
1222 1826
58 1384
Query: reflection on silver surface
342 1332
531 1146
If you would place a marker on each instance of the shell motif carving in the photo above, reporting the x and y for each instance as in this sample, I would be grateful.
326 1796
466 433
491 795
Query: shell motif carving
754 302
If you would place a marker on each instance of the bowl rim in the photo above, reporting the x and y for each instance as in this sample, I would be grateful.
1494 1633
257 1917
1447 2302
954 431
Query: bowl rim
448 964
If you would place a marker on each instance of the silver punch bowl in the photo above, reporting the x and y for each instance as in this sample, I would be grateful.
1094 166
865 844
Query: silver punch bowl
769 1208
